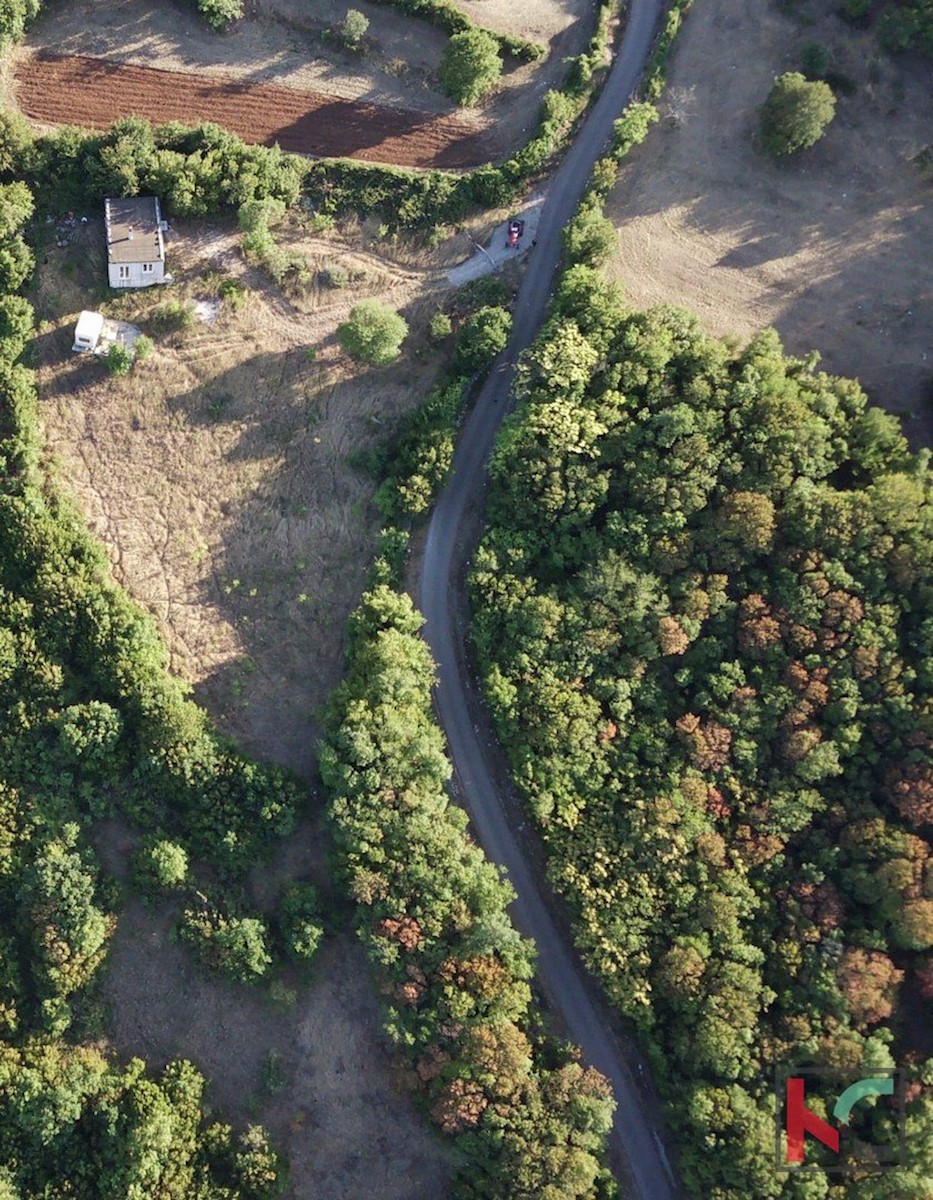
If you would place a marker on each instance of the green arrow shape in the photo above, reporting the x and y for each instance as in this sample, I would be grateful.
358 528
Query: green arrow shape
858 1091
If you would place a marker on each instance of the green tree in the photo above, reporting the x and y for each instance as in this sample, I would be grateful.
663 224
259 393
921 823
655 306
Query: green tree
373 334
234 946
484 335
470 65
67 929
15 15
591 237
161 864
89 735
795 114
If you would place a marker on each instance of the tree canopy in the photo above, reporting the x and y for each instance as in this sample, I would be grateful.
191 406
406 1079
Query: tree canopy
795 114
374 333
470 65
703 614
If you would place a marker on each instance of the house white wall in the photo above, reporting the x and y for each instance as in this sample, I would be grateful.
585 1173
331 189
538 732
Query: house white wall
134 275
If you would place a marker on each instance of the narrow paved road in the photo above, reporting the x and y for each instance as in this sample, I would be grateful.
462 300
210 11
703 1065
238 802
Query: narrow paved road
451 533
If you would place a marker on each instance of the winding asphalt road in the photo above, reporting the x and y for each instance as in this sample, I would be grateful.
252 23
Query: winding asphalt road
451 535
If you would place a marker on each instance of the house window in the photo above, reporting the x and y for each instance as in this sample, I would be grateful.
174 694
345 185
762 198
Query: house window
124 273
147 268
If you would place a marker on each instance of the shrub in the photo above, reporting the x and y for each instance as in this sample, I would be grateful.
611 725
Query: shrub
335 277
440 326
15 137
161 866
814 58
354 28
172 316
143 347
795 114
219 13
470 66
260 214
483 336
856 11
233 294
373 334
118 359
234 946
299 921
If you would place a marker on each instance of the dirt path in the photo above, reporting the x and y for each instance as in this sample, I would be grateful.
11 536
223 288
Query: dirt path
47 85
832 247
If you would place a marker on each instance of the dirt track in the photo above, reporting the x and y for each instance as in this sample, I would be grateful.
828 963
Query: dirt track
57 89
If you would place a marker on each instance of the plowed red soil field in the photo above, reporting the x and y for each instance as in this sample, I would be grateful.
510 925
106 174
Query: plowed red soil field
68 89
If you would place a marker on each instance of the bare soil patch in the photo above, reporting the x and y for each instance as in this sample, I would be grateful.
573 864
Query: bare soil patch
832 248
218 473
303 122
285 44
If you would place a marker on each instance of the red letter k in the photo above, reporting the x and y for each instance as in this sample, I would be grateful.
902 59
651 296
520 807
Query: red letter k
800 1121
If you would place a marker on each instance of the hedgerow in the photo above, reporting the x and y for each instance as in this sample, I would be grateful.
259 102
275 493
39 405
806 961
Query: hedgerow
527 1119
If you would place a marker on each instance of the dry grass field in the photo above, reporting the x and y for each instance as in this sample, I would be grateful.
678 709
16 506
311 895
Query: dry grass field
832 248
217 473
285 43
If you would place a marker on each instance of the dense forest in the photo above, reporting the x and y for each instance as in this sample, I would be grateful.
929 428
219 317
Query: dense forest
703 614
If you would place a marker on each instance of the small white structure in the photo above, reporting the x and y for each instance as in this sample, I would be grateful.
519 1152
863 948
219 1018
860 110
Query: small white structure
87 332
95 334
135 246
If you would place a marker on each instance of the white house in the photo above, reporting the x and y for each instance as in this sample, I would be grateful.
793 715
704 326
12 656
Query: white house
135 247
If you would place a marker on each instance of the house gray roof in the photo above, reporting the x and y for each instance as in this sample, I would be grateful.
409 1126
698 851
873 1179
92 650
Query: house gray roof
134 233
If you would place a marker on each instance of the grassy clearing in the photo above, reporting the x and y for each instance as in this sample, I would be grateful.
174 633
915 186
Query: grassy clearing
217 472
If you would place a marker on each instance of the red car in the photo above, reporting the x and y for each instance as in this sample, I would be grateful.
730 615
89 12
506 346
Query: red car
516 229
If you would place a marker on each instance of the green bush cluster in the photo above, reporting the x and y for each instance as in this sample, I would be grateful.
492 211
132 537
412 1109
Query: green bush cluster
652 84
718 562
172 316
373 333
220 13
527 1119
450 19
259 244
470 65
418 459
299 921
196 171
231 945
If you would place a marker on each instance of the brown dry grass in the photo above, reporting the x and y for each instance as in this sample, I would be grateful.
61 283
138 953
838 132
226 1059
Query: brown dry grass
832 248
218 472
